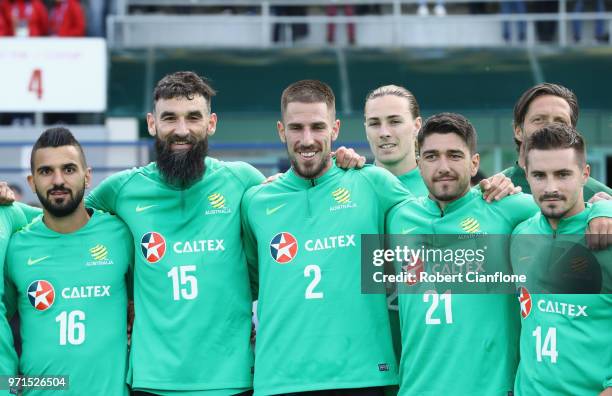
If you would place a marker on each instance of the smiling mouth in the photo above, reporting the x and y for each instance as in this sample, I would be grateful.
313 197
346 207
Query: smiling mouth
181 145
58 193
307 154
387 146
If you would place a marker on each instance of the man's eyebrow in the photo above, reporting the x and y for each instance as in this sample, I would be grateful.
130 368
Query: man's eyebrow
167 113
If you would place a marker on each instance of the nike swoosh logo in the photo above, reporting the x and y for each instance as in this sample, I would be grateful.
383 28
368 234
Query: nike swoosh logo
32 262
143 208
270 211
407 230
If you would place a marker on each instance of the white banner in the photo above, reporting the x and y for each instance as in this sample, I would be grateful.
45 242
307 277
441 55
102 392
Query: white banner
53 75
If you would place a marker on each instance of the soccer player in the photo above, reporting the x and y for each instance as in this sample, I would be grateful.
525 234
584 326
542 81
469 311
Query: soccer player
317 332
538 106
392 121
12 218
192 294
66 276
566 343
455 343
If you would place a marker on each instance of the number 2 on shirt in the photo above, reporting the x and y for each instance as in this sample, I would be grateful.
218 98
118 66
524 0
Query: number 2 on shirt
310 293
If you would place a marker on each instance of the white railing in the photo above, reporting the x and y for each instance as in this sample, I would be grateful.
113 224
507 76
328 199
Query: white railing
392 29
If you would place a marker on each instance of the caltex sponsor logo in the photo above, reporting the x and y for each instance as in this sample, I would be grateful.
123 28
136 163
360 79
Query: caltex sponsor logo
41 295
153 246
525 301
283 247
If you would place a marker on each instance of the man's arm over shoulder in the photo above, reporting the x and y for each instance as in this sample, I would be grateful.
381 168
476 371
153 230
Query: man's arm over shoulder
593 186
516 208
388 189
104 196
248 175
30 212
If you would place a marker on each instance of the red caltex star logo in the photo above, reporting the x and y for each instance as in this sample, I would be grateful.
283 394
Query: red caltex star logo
153 246
41 295
415 270
525 300
283 247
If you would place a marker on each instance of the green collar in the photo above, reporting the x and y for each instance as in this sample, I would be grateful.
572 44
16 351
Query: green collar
295 180
456 205
569 225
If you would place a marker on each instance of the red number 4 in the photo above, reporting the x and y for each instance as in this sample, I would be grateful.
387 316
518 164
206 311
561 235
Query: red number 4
36 85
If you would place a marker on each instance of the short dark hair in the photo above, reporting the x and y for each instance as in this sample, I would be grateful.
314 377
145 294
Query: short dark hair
522 105
309 91
399 91
56 137
449 123
557 136
183 84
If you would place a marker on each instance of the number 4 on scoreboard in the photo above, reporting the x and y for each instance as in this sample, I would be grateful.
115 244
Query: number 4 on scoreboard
36 85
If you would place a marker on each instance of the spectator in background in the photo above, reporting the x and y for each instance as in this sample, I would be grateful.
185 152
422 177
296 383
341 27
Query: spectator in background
298 30
514 7
6 26
28 18
600 30
349 10
546 30
439 9
67 19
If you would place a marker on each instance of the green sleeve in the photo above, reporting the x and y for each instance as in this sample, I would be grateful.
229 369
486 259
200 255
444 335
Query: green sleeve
30 212
8 357
249 242
600 209
129 276
593 186
389 190
104 196
517 208
608 382
9 298
247 174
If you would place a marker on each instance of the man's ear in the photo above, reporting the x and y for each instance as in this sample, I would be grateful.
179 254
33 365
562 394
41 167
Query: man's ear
281 131
335 130
475 164
151 124
212 124
31 183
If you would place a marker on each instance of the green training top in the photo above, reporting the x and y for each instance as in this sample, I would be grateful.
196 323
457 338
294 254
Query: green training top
461 344
191 286
518 177
454 343
70 292
317 330
12 218
414 182
566 345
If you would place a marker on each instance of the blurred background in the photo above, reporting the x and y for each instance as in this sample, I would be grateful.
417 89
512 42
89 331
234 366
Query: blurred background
92 65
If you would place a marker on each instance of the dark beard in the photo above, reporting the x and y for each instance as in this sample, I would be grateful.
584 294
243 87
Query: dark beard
182 167
66 208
